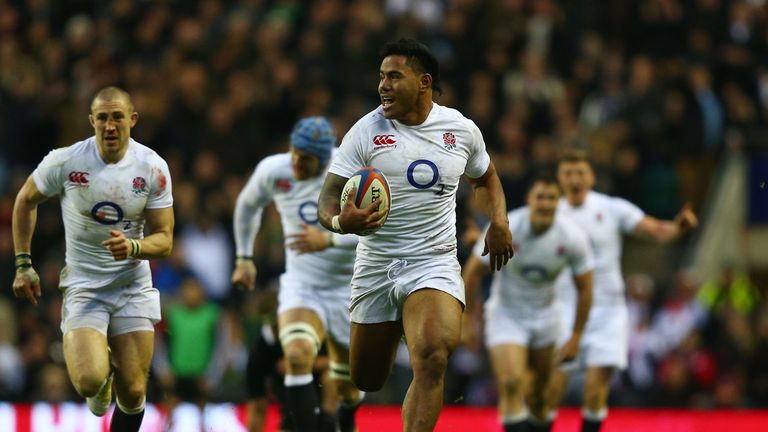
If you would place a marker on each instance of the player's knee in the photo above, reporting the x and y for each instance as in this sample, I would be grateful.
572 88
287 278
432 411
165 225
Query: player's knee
369 376
87 384
430 361
300 343
132 394
511 385
299 356
368 382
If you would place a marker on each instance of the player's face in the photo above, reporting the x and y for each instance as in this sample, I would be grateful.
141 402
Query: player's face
576 178
112 121
398 87
305 165
542 200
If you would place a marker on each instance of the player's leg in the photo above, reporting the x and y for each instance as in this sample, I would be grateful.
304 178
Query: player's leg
132 343
372 350
301 334
348 396
257 414
328 396
257 371
87 359
558 383
541 364
509 365
597 382
558 380
605 346
84 323
432 326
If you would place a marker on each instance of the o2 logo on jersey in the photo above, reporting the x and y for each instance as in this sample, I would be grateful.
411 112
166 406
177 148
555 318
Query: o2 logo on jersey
421 178
308 212
423 174
107 213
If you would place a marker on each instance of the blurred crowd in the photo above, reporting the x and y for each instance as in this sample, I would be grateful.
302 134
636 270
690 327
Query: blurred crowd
655 90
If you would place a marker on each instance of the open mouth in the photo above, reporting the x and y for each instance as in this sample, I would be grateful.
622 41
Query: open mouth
387 101
110 139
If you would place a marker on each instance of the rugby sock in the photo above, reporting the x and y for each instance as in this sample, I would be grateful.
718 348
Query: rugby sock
345 414
592 421
302 402
515 422
127 419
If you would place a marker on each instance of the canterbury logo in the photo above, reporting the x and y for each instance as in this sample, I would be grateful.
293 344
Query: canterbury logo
78 177
383 140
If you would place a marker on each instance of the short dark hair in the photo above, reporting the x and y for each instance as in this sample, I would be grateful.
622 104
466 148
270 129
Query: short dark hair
418 57
575 155
544 176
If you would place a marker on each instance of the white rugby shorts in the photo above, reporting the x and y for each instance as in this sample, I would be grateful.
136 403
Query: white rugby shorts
505 326
119 308
605 342
330 304
379 288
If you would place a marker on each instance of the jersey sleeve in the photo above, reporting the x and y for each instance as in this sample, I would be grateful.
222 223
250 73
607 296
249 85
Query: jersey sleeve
581 258
351 155
49 176
479 160
256 194
160 193
628 214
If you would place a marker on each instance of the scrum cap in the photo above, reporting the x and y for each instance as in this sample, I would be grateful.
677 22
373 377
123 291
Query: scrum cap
315 136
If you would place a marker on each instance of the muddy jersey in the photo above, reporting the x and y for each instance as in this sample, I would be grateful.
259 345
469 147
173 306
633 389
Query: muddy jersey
296 201
423 165
527 281
97 197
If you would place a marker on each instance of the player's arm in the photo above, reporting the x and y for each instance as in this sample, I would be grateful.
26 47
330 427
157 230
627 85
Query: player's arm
666 231
349 219
489 196
157 244
472 272
247 222
583 304
26 283
313 239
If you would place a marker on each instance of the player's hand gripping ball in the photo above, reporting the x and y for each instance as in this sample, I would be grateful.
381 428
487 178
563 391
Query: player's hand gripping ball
371 184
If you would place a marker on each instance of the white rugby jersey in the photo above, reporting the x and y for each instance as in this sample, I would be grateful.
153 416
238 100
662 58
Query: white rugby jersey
296 201
527 282
423 165
605 220
97 197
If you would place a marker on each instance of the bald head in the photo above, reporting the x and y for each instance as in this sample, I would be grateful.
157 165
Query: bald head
112 94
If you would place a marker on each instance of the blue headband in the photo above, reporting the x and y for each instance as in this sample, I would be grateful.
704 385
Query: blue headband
315 136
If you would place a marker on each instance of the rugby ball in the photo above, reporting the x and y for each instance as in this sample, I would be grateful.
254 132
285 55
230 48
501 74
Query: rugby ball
371 184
